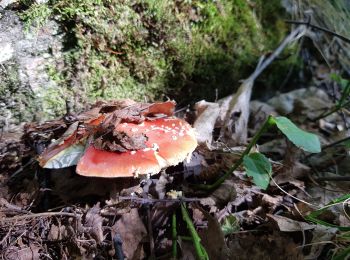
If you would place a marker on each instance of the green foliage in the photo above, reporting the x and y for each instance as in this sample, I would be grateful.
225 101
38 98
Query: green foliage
230 225
256 164
306 141
144 49
36 15
314 216
343 254
200 250
258 167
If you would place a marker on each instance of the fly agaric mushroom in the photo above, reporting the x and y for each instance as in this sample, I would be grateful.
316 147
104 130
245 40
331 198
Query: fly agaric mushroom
169 142
142 139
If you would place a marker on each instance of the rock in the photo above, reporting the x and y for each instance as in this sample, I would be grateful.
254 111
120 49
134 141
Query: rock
6 3
312 96
25 56
6 51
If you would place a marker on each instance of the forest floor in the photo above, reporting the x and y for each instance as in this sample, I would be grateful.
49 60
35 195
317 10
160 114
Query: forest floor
283 190
301 214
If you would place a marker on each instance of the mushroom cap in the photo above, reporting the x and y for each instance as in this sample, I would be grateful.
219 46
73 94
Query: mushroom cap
169 141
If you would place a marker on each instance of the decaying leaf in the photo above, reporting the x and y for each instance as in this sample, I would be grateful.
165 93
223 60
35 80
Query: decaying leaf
207 114
132 232
289 225
213 238
93 223
22 253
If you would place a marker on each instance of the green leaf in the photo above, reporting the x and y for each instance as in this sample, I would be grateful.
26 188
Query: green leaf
307 141
346 144
230 225
343 254
313 216
258 167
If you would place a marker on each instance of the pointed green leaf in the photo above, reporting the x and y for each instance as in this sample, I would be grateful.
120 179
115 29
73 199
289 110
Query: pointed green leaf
258 167
307 141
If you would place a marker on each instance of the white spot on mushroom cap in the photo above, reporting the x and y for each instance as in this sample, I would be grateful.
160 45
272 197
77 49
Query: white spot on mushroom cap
155 147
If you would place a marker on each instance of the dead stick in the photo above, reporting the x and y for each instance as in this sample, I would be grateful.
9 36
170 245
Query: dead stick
236 119
36 215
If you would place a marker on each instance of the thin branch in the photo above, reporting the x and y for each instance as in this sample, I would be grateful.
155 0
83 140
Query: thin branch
308 24
147 200
38 215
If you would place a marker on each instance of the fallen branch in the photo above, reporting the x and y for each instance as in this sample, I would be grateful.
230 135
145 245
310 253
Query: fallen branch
38 215
236 120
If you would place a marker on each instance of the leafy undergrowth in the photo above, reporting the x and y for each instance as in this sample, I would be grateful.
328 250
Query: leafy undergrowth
280 202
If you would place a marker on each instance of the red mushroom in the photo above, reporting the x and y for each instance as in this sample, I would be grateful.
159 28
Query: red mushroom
143 139
169 142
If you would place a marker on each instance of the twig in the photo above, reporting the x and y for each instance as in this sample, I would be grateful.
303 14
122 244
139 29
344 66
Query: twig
329 146
335 143
37 215
236 118
147 200
6 236
308 24
334 178
336 108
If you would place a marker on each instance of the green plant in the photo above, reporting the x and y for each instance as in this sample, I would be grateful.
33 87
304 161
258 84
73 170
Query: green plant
200 250
343 250
313 216
256 164
230 225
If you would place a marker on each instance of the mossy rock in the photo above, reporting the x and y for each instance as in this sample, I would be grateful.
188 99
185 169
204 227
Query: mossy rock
147 50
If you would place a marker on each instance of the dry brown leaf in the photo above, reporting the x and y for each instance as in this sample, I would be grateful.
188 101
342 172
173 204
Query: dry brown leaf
289 225
132 231
207 114
213 238
22 253
93 223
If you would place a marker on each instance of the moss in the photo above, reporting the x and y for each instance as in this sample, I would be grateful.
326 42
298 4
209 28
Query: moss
145 49
17 104
36 15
